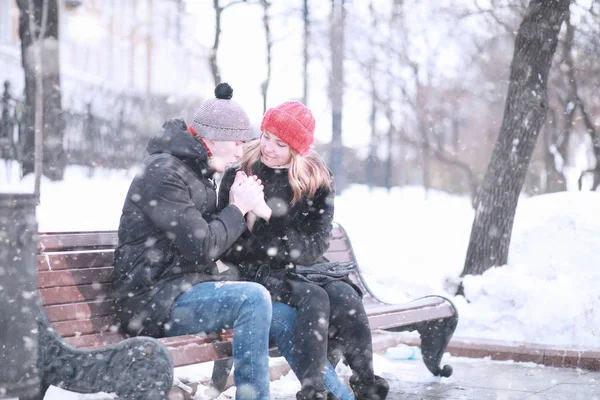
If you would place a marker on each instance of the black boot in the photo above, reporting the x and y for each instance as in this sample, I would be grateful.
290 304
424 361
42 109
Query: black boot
376 390
311 394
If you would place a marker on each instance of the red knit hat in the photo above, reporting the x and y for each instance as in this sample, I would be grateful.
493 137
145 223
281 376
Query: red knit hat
293 123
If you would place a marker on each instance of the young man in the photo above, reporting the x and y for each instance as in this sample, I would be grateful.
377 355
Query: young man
166 278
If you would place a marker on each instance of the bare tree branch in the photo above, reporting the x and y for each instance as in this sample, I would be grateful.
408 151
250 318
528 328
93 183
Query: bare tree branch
233 3
509 29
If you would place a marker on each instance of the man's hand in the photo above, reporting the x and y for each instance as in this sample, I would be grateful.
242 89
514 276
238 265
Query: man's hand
245 193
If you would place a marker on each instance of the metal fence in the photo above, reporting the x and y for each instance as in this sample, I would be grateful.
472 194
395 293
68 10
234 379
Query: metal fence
112 131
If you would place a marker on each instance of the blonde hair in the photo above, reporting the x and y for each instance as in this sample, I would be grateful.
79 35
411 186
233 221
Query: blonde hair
306 174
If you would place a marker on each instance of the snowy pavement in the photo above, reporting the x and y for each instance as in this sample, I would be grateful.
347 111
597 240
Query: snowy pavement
473 379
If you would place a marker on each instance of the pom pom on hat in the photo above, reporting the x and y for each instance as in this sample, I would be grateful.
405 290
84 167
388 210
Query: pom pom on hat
223 91
221 118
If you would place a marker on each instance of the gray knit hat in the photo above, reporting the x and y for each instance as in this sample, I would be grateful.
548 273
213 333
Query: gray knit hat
222 118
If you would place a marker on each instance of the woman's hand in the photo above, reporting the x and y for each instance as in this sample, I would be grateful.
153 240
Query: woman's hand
250 220
262 210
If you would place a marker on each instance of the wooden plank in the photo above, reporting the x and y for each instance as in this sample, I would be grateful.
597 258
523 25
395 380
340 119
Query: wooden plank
422 303
337 233
74 294
85 327
48 279
196 353
343 256
79 311
407 317
337 245
75 259
178 341
95 340
77 240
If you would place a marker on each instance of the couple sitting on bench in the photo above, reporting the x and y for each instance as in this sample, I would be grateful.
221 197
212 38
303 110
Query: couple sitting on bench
187 263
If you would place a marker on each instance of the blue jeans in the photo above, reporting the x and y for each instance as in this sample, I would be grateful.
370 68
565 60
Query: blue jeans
282 332
245 307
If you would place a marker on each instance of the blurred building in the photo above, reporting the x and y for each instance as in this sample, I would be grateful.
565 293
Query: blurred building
142 47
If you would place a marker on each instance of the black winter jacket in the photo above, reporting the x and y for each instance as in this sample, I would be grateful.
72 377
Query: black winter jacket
297 234
170 233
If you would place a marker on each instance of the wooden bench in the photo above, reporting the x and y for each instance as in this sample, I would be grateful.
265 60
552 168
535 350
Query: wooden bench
74 270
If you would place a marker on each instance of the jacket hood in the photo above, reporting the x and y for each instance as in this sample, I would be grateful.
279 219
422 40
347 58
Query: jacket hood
175 139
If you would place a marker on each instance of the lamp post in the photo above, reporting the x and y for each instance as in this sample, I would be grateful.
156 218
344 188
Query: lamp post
19 298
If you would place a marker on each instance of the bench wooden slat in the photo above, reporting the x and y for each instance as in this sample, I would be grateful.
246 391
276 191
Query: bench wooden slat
77 240
95 340
74 277
85 327
337 232
72 260
196 353
79 311
184 351
74 294
400 318
339 256
337 245
175 341
425 302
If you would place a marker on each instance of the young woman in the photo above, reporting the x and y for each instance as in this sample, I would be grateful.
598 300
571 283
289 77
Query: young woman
293 228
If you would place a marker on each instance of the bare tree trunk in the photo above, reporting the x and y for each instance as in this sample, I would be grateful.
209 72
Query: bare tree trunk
214 66
577 103
389 163
423 130
38 31
558 150
305 18
554 160
269 41
589 125
373 118
212 59
438 154
337 91
372 156
524 114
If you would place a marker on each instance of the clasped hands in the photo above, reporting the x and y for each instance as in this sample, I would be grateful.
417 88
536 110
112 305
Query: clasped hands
247 194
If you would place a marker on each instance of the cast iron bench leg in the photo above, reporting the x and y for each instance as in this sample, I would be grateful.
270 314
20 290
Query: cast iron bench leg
139 368
435 336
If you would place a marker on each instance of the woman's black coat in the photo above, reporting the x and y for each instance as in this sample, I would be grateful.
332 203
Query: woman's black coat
297 234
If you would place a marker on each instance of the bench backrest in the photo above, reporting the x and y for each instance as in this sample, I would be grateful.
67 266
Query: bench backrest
74 271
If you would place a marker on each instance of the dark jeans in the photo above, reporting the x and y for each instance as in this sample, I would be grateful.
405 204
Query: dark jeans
333 311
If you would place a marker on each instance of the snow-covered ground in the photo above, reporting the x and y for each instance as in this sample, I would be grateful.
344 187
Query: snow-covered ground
411 245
